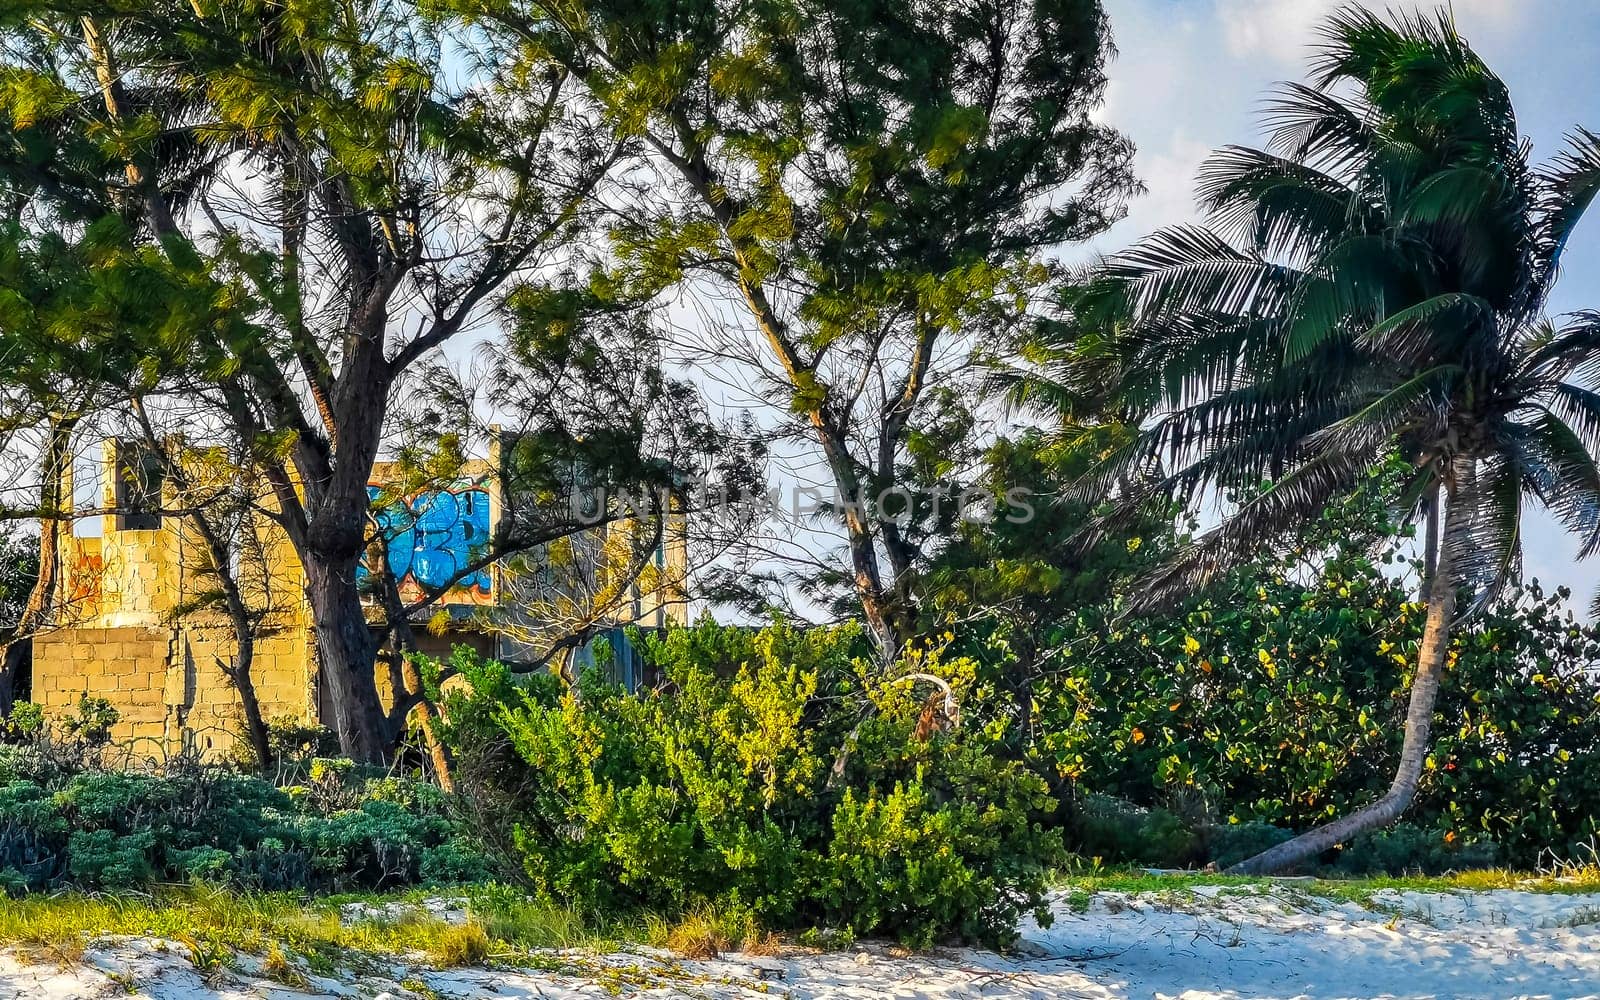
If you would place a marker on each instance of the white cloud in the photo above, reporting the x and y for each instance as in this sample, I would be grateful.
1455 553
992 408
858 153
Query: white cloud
1281 30
1168 170
1278 29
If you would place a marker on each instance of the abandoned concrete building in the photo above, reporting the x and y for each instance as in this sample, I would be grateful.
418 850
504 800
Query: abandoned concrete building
135 627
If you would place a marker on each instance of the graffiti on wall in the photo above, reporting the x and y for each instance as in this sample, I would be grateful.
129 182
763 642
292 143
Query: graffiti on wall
433 537
85 574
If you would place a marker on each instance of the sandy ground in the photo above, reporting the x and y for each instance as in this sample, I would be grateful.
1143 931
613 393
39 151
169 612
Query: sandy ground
1189 943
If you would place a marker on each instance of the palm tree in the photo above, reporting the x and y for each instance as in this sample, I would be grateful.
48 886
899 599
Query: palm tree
1371 282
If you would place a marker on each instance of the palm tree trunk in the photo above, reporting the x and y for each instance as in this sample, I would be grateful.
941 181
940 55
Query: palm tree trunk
1431 657
1430 541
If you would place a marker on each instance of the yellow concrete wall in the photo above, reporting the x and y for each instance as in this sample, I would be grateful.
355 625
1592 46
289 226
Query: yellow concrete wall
130 633
167 684
126 666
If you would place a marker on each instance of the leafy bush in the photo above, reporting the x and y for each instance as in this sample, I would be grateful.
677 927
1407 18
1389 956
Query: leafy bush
1408 849
1278 697
1230 843
772 773
457 861
23 725
103 859
65 822
1285 706
1115 831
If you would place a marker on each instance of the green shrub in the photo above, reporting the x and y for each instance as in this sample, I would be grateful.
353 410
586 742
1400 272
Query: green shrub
101 859
24 725
457 861
119 830
903 863
1280 698
378 845
1407 849
1116 831
774 773
1276 696
1230 843
91 724
13 882
202 864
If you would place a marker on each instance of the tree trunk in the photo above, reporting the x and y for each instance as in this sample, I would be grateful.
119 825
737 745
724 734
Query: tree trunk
438 753
335 537
410 688
1431 657
12 661
881 605
239 674
244 637
329 539
55 477
346 658
889 630
886 613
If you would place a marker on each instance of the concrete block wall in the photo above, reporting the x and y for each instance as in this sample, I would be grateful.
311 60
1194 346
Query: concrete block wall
125 665
167 682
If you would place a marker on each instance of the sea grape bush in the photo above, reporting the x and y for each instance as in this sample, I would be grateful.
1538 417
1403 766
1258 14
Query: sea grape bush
1274 699
1280 699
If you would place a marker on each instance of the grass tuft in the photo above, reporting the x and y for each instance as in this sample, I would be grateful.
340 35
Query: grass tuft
1580 876
280 968
462 944
211 925
708 932
528 923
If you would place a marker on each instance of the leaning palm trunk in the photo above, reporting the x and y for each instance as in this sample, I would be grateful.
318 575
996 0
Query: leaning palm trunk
1440 589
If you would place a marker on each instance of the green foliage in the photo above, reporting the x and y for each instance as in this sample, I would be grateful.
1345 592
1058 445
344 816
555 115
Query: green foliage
1408 849
101 858
456 861
770 774
1231 843
877 184
293 745
24 725
1516 759
19 568
1274 699
91 724
63 823
1278 695
1023 571
908 862
1114 831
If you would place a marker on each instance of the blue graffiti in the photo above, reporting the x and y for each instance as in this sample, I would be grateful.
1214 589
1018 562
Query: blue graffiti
435 536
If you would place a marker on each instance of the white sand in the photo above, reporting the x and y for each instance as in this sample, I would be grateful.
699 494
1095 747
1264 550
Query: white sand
1200 943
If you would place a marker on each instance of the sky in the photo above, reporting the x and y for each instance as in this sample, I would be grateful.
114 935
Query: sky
1190 75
